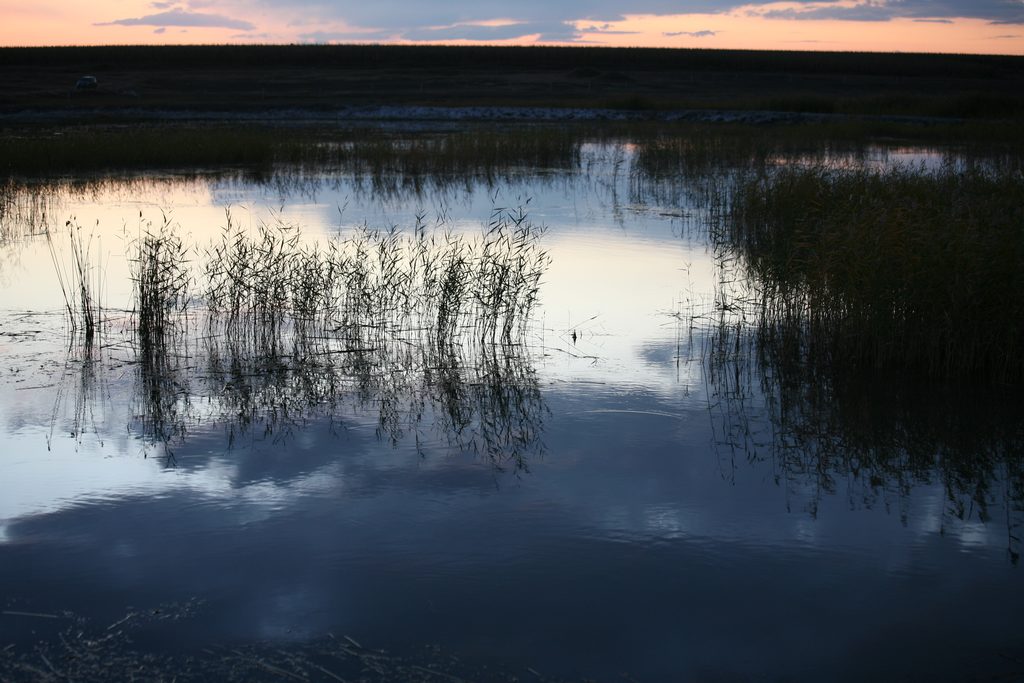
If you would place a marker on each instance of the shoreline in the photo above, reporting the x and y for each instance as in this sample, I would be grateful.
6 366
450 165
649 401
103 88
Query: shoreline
386 115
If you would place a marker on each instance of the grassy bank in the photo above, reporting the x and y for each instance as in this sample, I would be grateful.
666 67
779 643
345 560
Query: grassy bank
61 151
899 269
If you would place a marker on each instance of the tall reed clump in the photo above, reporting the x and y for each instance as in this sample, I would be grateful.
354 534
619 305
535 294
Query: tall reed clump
507 273
80 280
161 278
247 276
373 284
896 269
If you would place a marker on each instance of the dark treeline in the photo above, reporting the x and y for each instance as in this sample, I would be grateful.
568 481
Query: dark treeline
538 57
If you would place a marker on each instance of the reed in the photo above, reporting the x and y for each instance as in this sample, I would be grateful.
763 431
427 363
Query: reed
161 280
24 211
246 275
387 282
80 280
902 269
507 274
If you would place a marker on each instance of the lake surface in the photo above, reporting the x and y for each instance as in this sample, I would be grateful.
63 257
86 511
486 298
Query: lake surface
602 500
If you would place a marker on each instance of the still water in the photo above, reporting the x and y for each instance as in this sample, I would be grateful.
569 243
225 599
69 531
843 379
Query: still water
602 502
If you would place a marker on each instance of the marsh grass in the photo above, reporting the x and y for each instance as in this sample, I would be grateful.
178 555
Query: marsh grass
476 152
87 148
866 331
479 152
689 150
902 269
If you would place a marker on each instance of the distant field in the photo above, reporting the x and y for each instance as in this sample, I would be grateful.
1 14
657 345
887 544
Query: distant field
252 78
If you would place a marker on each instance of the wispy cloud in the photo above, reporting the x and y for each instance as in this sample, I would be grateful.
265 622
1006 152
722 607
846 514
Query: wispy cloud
691 34
179 17
605 29
942 11
479 31
867 12
263 37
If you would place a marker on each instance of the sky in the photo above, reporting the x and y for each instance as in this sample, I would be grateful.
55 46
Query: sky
968 26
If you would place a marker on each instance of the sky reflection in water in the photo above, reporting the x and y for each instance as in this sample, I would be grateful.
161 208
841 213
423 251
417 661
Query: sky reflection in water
636 533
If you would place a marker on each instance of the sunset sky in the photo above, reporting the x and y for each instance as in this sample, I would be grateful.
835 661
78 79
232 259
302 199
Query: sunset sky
975 26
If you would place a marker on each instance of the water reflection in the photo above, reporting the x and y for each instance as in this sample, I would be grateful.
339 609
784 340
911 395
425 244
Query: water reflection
518 499
476 398
872 438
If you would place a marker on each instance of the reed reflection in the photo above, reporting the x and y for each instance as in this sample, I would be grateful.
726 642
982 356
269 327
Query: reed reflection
873 437
475 398
426 332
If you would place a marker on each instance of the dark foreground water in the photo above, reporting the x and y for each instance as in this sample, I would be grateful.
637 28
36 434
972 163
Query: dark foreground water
606 501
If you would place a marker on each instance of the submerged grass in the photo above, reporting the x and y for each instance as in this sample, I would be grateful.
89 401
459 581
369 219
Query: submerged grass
69 646
899 269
